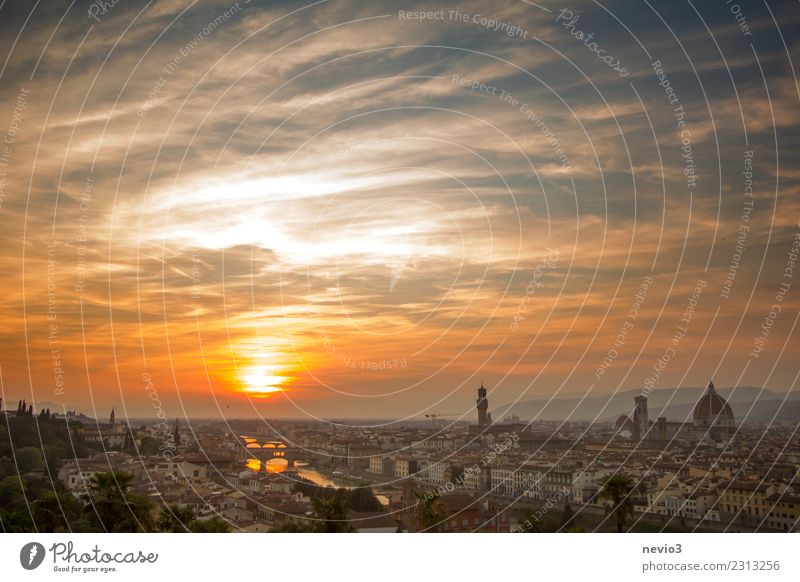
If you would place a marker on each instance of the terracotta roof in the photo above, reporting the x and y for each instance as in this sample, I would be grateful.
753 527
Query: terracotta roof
711 405
458 502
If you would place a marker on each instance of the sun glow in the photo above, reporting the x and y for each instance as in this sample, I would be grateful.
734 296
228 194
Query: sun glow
262 380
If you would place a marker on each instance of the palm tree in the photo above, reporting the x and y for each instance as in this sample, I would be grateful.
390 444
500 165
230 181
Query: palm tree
55 511
175 519
431 512
618 491
331 512
137 516
214 525
114 507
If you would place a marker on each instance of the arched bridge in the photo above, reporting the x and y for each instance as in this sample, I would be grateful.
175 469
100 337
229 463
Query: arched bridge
265 449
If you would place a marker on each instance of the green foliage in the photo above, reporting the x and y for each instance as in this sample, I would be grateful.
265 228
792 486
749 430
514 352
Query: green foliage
529 522
331 514
57 511
357 499
363 499
292 526
619 492
29 459
214 525
30 503
431 512
149 446
569 523
112 508
50 436
175 519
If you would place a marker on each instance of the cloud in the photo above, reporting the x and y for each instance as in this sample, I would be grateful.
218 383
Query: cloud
313 192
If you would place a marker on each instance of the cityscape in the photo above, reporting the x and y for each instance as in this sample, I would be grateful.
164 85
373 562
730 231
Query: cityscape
705 473
399 267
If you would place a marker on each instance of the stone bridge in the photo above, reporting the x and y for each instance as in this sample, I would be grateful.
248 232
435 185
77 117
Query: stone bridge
265 449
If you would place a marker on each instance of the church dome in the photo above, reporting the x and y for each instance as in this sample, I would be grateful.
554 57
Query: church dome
712 408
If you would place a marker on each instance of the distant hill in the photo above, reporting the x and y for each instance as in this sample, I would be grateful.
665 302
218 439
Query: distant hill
674 404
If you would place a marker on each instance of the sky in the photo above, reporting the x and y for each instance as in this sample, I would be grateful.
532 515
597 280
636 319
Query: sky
346 209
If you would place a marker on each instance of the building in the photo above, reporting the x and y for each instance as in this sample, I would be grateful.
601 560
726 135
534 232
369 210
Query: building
641 423
482 404
784 512
712 416
712 421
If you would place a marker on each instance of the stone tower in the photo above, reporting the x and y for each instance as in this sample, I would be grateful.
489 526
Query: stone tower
641 423
482 403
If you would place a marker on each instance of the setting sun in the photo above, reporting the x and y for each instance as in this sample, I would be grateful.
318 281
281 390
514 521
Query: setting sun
261 381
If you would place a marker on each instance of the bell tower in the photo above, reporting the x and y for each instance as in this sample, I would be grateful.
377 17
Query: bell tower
482 404
640 421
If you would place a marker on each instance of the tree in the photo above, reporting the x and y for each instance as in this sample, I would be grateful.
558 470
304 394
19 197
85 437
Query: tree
149 446
175 519
114 508
214 525
291 526
331 514
29 459
530 522
55 511
363 499
431 512
568 519
618 491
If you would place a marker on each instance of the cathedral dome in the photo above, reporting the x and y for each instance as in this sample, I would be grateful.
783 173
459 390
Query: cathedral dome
712 409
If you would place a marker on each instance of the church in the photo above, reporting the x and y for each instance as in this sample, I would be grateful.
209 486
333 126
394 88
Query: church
712 421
